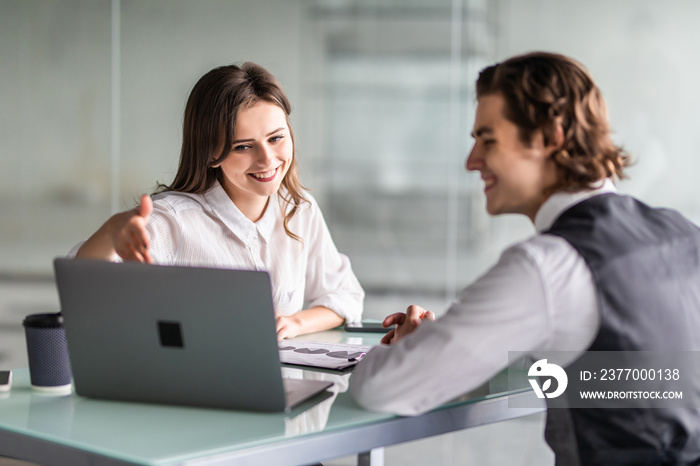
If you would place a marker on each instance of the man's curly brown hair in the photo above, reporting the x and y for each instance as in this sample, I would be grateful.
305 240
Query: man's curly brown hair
543 90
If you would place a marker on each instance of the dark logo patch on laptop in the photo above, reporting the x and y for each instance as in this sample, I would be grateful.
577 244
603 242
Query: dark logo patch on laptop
170 334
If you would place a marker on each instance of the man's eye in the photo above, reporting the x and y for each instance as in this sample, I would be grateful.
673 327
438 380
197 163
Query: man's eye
489 142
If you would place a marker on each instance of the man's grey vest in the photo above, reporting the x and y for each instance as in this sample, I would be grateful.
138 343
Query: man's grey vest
646 266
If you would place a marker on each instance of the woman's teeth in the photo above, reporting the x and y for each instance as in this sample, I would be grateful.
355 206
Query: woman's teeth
264 175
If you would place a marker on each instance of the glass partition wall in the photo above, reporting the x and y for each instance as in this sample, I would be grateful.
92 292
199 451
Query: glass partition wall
392 98
55 169
92 94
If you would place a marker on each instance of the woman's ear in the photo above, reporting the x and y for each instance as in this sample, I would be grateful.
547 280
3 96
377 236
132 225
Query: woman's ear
220 159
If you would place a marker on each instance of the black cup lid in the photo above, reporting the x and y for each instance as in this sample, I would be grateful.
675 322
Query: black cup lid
53 320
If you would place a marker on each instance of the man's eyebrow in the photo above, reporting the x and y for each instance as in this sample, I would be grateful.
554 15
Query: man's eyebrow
481 131
238 141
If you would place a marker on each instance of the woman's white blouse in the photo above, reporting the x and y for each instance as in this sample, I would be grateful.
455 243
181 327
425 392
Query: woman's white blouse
208 230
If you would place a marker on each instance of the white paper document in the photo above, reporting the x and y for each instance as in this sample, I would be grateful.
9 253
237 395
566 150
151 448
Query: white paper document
336 356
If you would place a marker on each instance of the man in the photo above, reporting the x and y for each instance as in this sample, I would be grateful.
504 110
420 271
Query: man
603 273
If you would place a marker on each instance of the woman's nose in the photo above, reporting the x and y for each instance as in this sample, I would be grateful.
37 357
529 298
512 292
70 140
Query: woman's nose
265 154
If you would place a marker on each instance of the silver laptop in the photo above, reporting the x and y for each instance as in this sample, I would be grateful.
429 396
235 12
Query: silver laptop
175 335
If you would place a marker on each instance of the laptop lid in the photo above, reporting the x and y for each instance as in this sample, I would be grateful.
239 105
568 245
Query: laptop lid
175 335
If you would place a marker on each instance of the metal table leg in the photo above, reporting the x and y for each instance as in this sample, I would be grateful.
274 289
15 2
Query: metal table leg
374 457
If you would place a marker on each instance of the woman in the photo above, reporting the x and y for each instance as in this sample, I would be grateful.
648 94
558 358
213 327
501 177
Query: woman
236 202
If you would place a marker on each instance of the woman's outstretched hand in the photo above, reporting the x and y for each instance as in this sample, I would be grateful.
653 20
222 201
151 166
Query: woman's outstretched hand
129 236
124 234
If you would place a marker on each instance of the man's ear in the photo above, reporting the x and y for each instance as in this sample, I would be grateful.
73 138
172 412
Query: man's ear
558 138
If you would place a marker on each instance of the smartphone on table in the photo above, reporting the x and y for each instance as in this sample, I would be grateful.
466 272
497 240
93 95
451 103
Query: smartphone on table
372 327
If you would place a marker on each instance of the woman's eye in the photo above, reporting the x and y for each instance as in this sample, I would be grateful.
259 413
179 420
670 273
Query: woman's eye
276 138
489 142
240 148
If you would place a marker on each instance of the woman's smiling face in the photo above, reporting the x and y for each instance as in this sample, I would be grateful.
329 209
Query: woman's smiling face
260 156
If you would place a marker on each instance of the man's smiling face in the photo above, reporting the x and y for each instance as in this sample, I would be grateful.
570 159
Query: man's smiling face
515 175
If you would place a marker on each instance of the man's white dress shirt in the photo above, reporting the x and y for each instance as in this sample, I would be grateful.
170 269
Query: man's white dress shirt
540 296
208 230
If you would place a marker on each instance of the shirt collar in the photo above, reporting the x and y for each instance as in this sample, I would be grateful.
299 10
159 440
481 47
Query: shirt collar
561 201
266 224
240 225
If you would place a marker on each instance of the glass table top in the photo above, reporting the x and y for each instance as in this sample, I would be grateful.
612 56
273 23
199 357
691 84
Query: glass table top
161 434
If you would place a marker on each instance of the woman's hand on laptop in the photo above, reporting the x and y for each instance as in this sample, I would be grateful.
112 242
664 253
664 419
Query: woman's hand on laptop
405 323
124 234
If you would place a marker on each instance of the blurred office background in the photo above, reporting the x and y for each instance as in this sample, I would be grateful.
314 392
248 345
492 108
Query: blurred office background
92 94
